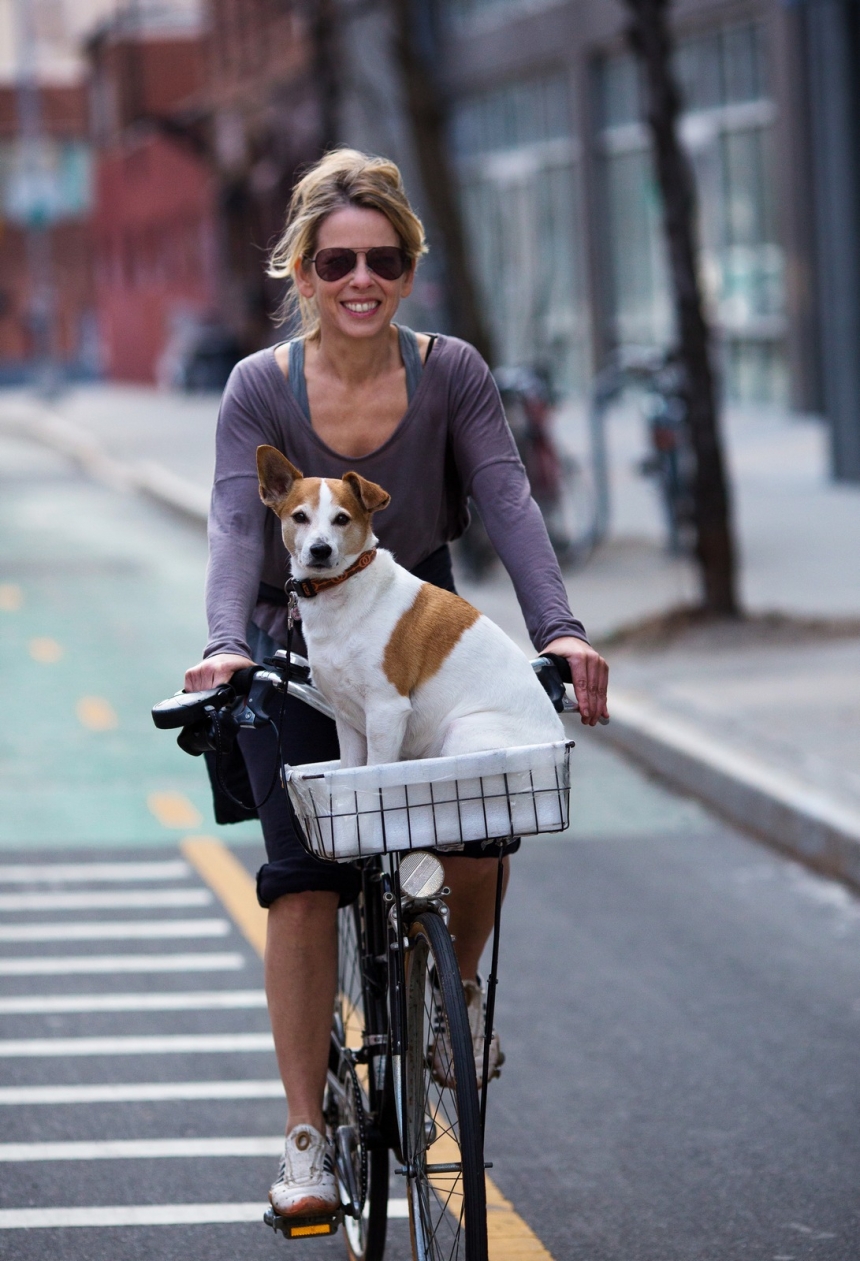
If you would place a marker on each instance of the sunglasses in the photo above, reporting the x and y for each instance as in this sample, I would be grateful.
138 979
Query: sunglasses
389 262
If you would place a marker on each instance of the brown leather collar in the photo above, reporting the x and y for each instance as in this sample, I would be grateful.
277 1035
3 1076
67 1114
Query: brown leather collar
310 587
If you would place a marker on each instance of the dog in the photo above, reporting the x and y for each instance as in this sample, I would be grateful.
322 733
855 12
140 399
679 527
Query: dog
410 670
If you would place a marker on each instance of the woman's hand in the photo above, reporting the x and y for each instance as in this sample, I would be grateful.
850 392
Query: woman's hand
590 675
215 670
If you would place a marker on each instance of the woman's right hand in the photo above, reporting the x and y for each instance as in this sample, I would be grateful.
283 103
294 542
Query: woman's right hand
215 670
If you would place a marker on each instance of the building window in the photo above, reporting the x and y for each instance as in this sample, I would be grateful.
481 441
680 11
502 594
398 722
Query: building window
519 176
727 129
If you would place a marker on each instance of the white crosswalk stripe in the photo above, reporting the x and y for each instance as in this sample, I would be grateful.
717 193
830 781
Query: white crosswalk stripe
73 887
140 1092
196 1000
67 965
148 1215
112 900
96 873
110 930
143 1149
151 1044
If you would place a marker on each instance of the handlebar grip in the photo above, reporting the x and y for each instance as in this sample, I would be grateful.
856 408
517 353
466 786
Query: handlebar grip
561 664
241 681
186 707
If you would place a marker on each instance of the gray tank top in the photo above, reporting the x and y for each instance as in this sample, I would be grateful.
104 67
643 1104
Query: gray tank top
409 351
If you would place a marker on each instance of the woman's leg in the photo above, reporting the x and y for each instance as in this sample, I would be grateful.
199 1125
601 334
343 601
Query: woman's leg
472 905
301 977
302 895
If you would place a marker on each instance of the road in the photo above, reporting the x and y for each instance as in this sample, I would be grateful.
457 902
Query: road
679 1007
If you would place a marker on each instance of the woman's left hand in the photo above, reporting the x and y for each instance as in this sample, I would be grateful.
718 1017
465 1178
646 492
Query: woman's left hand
590 675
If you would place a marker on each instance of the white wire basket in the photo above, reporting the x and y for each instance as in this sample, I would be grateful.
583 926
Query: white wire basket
435 803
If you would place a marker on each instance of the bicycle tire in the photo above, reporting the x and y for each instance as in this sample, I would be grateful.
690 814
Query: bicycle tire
365 1234
447 1207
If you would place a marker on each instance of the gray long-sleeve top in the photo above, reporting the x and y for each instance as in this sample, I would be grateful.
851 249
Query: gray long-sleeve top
452 442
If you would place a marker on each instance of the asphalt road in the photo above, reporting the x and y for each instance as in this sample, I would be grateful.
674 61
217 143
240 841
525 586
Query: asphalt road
680 1008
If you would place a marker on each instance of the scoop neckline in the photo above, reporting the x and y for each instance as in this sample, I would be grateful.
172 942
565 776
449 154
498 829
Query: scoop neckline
405 419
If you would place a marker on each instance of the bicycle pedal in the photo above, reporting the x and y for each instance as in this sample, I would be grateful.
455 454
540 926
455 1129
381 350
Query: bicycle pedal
303 1227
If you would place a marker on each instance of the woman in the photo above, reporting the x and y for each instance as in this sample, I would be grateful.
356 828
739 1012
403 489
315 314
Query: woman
421 416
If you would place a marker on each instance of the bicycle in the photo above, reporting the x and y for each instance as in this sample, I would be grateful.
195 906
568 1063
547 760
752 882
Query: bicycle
560 486
401 1073
670 460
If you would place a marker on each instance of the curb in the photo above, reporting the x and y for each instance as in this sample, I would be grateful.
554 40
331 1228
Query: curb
148 477
792 816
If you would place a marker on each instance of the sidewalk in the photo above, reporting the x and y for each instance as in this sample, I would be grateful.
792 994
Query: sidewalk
761 720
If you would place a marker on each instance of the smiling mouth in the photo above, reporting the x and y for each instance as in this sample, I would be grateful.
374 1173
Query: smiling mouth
362 308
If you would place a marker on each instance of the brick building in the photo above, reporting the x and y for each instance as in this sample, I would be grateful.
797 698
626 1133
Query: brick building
155 212
58 218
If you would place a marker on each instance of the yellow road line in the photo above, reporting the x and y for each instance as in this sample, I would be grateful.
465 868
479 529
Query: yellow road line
226 876
11 597
45 650
173 810
510 1238
96 713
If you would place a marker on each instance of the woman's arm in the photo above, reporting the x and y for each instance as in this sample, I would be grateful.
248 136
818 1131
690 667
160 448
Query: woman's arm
237 516
493 474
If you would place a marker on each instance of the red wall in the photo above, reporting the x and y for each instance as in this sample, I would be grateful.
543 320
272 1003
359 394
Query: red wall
155 246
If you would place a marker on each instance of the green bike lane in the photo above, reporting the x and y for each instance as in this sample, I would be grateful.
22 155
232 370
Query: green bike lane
101 610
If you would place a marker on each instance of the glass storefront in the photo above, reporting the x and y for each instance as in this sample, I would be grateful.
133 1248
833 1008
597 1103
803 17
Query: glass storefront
727 129
520 181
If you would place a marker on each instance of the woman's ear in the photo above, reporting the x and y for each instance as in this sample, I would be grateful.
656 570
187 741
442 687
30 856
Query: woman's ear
302 278
408 280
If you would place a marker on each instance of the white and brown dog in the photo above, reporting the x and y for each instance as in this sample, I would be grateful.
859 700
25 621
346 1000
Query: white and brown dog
410 670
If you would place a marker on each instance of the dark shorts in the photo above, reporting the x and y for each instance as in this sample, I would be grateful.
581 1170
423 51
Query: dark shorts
308 736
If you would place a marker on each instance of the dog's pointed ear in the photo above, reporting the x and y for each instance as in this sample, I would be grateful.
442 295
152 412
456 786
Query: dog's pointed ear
371 497
276 476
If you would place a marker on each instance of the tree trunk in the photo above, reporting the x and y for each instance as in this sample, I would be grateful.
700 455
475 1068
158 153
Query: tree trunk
426 114
323 27
651 41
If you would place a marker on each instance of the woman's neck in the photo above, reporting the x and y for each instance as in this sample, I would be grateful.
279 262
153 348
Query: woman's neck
354 361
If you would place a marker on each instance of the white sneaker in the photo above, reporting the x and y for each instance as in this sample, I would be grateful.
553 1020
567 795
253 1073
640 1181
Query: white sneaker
439 1052
306 1183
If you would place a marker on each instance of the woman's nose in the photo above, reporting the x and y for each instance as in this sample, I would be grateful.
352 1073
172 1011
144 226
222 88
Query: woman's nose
362 274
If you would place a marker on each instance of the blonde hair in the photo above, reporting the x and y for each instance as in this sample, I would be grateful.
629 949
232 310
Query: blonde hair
343 177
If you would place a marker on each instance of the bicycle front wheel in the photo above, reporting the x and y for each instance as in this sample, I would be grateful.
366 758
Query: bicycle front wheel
354 1100
442 1131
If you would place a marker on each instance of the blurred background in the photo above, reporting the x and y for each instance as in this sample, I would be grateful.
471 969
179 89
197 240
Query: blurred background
682 376
149 147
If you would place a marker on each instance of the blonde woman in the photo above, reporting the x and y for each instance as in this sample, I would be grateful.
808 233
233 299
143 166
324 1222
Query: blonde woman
420 415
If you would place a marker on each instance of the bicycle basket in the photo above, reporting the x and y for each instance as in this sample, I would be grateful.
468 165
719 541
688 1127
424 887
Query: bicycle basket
437 802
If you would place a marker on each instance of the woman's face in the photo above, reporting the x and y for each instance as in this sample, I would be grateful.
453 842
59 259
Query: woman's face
362 304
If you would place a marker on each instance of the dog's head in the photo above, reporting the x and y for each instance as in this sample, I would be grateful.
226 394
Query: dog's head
326 523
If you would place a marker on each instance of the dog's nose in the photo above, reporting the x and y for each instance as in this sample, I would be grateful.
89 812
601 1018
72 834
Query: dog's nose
320 551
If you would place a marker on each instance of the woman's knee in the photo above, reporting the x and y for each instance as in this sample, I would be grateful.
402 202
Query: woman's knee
311 907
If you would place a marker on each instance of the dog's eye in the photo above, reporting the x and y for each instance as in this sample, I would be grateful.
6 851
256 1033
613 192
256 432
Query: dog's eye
300 517
341 519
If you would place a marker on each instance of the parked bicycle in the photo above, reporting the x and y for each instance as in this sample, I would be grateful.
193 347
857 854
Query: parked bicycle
659 381
402 1074
560 485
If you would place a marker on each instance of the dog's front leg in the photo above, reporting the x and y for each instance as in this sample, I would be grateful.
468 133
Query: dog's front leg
353 745
386 728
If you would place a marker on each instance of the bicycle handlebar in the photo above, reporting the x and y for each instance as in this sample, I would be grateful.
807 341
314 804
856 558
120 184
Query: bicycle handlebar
211 719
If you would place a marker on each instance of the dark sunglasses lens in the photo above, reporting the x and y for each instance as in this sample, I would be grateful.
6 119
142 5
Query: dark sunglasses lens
387 261
335 264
